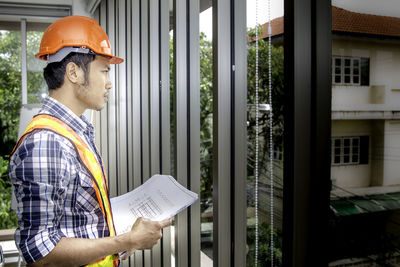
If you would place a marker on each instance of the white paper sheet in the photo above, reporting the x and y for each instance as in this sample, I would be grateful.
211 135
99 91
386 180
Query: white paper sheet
159 198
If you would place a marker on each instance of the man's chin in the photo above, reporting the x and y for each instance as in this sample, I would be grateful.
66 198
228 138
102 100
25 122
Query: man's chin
98 108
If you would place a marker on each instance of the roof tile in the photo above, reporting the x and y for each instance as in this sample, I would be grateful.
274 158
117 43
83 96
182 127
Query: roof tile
351 22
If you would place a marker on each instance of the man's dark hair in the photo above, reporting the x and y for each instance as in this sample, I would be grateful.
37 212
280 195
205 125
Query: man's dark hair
54 72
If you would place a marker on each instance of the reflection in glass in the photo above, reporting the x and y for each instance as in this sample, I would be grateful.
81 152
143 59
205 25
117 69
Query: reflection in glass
365 167
10 104
10 83
265 208
37 87
206 138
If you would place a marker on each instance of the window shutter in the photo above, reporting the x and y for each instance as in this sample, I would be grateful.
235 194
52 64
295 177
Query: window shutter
365 71
364 149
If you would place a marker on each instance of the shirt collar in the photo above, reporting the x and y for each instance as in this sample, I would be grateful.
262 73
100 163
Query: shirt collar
53 107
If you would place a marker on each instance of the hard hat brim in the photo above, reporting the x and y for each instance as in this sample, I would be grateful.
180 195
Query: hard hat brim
116 60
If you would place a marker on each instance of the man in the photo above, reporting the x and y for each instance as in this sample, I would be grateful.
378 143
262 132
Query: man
64 213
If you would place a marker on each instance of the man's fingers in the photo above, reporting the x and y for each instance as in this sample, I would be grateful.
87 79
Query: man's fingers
165 223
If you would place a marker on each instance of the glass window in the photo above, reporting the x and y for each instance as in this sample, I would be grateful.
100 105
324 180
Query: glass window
265 198
37 88
10 103
365 197
346 150
347 71
11 70
206 142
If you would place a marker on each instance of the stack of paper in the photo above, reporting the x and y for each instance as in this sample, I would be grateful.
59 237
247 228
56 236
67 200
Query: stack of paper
159 198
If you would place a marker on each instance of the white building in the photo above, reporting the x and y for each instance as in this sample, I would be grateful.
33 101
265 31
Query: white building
365 140
365 100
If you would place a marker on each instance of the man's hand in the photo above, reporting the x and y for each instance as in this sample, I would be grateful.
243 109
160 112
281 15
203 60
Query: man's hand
145 234
81 251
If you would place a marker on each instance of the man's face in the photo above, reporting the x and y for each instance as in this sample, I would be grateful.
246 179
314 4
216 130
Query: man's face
94 94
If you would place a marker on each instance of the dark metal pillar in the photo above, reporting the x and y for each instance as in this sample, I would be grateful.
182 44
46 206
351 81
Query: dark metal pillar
307 45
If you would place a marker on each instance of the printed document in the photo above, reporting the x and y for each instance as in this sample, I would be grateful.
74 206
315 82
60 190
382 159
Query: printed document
159 198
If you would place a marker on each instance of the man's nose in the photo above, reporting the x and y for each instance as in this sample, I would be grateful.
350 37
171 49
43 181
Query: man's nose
109 85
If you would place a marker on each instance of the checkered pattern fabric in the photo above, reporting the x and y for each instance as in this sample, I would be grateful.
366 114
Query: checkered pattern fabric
55 193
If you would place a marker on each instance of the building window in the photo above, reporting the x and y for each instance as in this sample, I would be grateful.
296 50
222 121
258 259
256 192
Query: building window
350 150
350 71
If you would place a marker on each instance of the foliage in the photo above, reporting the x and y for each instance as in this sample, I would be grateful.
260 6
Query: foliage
277 82
36 83
10 89
206 109
264 249
206 106
10 83
10 105
8 218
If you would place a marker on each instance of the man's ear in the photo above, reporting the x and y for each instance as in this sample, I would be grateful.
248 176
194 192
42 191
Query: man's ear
74 73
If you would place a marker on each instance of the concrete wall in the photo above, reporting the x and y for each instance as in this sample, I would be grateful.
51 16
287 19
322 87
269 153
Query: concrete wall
384 90
391 175
384 154
383 94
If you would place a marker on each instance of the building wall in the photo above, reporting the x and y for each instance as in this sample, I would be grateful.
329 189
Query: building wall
383 94
384 154
391 175
351 175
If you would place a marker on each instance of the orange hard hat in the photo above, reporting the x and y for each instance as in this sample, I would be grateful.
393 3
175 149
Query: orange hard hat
76 31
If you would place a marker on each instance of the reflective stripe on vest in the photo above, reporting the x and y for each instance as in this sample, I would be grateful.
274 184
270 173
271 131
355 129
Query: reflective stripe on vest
48 122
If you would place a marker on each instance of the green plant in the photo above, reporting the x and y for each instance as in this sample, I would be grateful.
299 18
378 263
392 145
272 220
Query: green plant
8 218
264 248
10 105
277 83
10 83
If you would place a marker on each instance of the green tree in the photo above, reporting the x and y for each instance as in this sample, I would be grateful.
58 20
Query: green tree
36 83
10 83
277 82
277 90
10 105
206 109
264 248
10 89
8 219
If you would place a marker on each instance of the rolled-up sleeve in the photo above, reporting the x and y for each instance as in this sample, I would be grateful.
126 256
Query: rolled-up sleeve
39 172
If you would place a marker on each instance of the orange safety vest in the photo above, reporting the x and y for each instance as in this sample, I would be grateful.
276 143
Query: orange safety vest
86 156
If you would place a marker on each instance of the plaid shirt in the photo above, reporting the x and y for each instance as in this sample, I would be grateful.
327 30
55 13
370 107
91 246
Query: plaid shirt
55 193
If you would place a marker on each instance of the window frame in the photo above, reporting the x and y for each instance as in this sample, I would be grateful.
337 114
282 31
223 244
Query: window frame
342 74
342 153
